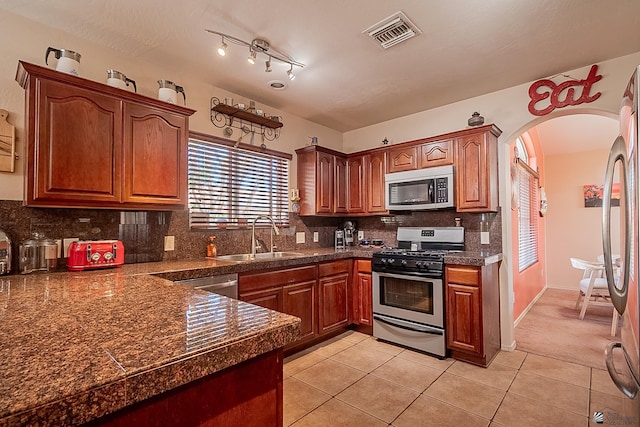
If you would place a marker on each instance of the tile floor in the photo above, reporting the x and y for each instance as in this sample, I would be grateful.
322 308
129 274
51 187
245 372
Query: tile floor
355 380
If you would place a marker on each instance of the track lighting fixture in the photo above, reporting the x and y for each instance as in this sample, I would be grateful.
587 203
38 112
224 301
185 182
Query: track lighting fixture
222 50
259 46
252 57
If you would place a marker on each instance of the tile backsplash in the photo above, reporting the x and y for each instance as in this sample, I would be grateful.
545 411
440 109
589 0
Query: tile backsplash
142 232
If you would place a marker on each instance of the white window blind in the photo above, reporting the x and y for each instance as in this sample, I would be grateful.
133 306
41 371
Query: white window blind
527 216
229 186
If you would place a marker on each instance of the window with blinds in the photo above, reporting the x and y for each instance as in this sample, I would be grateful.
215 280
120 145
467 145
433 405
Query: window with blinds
527 216
229 186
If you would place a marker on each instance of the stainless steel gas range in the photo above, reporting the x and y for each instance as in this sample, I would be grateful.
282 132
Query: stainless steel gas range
408 290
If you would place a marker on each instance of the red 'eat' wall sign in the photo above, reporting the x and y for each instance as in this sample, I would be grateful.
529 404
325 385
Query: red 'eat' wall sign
562 94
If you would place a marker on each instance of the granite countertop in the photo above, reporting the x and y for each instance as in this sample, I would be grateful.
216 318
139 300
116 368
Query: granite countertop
78 345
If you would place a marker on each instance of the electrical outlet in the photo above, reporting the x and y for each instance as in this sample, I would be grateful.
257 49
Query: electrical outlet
360 235
59 244
300 237
169 243
316 237
66 243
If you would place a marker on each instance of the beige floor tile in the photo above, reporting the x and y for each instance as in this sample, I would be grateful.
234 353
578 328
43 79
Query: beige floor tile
330 376
495 375
517 411
364 359
300 399
466 394
293 365
602 382
329 348
378 397
557 369
382 346
353 336
512 359
426 360
429 412
335 413
552 392
407 373
612 407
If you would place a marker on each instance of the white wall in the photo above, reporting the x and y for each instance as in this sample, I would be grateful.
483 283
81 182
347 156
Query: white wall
28 41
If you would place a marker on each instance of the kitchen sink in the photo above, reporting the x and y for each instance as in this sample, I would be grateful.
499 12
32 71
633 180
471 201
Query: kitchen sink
259 256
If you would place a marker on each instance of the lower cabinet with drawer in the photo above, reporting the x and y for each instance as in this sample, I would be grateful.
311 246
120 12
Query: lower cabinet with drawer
291 291
333 300
473 312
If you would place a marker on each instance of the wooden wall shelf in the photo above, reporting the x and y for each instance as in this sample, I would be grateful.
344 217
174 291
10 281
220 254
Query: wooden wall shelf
223 115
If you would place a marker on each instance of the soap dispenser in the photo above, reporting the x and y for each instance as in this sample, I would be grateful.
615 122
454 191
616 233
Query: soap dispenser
212 251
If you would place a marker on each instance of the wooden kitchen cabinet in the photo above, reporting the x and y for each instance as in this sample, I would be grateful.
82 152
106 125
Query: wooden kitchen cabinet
473 312
333 301
291 291
362 304
375 167
92 145
356 185
322 185
402 159
476 170
436 153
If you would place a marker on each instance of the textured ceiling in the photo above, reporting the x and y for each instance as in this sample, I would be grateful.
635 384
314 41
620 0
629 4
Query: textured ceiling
467 48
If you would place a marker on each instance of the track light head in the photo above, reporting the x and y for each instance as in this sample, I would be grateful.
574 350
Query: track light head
222 50
290 73
267 66
252 57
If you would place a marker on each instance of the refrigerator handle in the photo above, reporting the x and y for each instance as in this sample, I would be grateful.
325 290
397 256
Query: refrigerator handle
618 291
629 386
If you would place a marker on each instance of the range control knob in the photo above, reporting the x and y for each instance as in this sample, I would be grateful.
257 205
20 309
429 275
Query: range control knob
391 260
419 264
403 262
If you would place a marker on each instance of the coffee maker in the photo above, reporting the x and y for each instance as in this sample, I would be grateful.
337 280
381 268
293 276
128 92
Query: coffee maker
350 233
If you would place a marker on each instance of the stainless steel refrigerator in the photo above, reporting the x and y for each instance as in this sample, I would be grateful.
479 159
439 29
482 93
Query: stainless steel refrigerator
623 356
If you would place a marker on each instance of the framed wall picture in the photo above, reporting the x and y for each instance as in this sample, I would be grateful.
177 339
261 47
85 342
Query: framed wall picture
593 195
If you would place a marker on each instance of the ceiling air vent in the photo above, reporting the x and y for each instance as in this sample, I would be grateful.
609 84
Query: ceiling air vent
393 30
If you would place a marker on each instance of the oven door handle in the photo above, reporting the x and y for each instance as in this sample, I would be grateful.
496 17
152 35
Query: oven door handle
410 326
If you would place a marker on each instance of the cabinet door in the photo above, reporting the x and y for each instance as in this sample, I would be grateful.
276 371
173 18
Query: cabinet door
155 158
476 173
365 304
356 177
375 170
324 182
76 155
436 153
268 298
333 307
402 159
464 323
299 300
341 185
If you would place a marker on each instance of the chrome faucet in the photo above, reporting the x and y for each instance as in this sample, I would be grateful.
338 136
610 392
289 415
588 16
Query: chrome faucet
274 229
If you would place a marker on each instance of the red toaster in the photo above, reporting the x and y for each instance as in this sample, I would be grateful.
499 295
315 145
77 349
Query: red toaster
90 254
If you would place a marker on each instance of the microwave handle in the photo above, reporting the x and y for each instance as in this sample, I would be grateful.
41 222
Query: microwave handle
431 191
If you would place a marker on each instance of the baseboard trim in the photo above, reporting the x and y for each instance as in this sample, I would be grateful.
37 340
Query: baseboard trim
510 347
526 310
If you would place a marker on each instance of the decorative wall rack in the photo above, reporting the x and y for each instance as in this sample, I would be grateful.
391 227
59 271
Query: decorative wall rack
231 116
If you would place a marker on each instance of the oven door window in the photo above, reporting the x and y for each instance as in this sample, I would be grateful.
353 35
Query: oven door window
411 193
407 294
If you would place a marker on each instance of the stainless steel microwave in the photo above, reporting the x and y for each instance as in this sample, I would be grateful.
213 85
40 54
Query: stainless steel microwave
430 188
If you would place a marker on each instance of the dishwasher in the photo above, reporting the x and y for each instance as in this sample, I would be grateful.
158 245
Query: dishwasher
224 284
